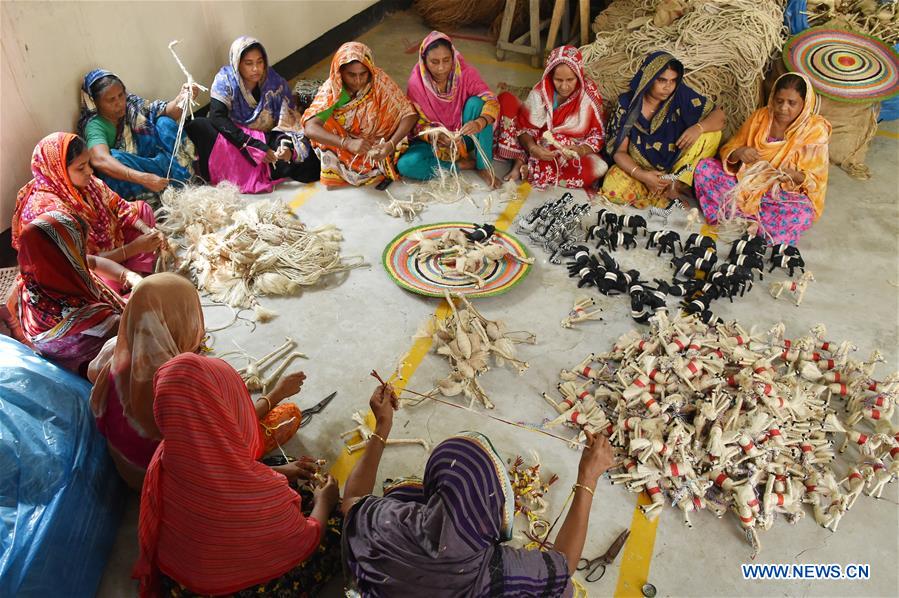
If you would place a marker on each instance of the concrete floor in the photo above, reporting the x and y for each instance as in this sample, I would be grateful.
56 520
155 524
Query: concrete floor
362 321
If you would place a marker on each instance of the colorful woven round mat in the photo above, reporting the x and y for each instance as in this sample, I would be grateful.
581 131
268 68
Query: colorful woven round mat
428 277
843 65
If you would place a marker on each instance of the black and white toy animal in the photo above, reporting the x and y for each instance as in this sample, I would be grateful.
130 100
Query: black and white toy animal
665 240
480 233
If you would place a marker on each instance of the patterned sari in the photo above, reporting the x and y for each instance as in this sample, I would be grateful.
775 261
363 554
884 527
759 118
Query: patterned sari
65 311
273 116
162 319
111 220
145 139
576 120
759 192
652 143
443 536
373 114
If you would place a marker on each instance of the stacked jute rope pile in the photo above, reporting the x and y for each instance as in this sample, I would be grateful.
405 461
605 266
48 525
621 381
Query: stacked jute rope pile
725 45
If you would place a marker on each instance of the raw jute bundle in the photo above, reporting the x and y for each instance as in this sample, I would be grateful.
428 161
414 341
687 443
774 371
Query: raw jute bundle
452 14
725 46
878 19
236 252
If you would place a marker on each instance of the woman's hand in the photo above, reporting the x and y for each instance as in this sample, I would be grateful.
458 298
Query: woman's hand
382 151
582 150
153 182
473 127
595 460
284 154
383 403
747 155
357 146
327 494
287 386
797 177
689 137
653 181
541 153
131 280
297 470
146 243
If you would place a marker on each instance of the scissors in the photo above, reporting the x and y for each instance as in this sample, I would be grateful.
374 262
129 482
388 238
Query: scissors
599 563
308 413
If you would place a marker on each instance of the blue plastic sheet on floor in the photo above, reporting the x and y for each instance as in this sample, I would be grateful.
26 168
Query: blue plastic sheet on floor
889 110
60 497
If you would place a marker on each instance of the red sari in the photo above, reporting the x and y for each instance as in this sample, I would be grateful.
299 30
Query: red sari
212 517
576 120
65 311
111 220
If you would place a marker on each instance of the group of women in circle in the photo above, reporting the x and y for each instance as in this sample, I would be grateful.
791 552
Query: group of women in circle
181 426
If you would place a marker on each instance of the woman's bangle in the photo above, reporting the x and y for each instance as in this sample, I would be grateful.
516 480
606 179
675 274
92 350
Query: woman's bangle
124 255
393 143
587 488
634 169
379 437
267 402
343 143
701 128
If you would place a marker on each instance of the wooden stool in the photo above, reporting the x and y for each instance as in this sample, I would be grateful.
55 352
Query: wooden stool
530 43
560 17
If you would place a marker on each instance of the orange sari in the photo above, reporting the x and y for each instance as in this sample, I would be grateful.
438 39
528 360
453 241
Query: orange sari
803 148
373 114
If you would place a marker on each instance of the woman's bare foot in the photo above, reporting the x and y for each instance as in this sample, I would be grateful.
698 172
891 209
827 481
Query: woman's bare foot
517 172
489 178
465 164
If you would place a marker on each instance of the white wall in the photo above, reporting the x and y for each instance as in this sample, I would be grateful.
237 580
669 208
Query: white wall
47 47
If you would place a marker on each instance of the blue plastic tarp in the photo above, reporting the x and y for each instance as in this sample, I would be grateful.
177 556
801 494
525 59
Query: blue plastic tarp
794 16
60 497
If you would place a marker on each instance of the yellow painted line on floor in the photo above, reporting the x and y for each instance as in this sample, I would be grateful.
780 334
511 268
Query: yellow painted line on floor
637 554
416 354
303 195
709 230
889 134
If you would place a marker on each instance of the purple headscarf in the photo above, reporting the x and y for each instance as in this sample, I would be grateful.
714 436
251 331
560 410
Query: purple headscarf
443 537
244 109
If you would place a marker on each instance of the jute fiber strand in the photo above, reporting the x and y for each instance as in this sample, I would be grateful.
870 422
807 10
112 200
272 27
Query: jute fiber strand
725 46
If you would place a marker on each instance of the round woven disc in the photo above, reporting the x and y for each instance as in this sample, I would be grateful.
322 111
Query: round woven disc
843 65
430 277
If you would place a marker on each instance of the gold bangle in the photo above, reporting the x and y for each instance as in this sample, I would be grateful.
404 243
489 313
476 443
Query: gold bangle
124 256
379 437
587 488
267 401
636 166
701 128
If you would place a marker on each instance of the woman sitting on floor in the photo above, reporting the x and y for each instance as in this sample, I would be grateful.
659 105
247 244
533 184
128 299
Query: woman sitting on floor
162 319
63 310
131 140
660 127
443 536
555 137
774 170
252 136
63 181
448 92
357 121
213 519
